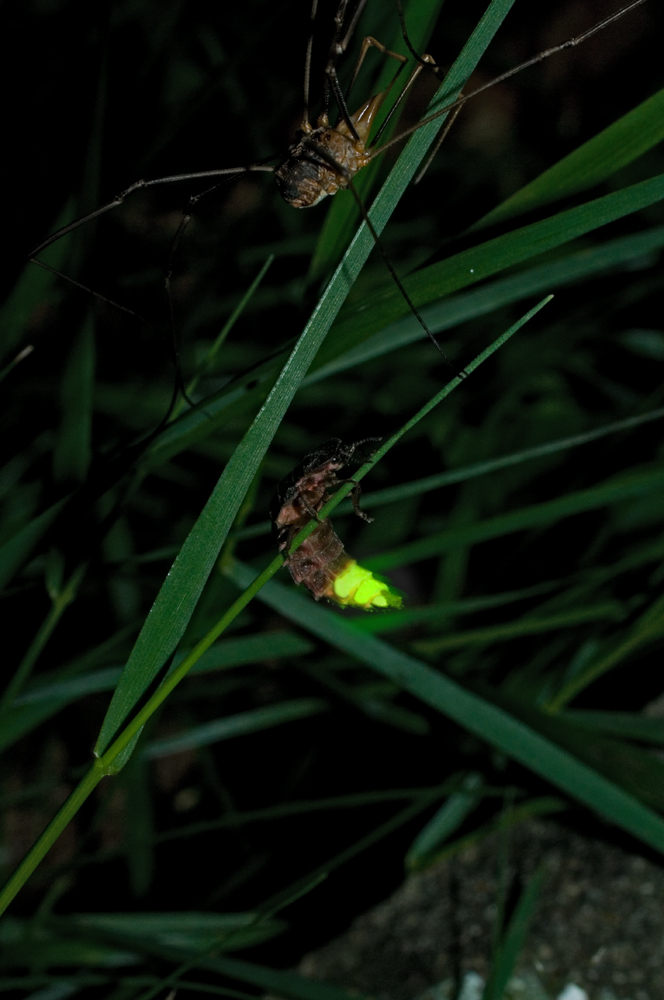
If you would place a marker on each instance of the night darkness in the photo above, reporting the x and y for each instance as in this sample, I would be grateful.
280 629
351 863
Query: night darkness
100 95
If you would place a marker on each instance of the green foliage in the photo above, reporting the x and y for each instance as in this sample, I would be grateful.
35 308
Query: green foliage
520 514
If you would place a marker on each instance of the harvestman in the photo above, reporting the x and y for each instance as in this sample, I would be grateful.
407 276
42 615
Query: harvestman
324 159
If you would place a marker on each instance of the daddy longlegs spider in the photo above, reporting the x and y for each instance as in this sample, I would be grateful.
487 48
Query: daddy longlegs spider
325 158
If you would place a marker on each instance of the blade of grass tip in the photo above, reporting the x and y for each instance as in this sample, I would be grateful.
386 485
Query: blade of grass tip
174 605
545 805
444 392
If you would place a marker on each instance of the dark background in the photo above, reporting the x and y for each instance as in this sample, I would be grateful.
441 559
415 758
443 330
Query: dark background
98 95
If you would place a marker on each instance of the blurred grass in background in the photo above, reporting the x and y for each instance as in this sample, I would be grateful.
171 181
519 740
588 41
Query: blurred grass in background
523 518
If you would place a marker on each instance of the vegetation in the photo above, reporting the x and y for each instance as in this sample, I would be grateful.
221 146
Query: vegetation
519 508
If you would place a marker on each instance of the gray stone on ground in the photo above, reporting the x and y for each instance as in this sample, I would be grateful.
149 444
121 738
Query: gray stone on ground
599 922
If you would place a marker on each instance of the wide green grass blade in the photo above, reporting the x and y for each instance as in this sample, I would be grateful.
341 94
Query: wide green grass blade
485 720
179 594
450 312
336 355
613 148
638 772
549 512
483 261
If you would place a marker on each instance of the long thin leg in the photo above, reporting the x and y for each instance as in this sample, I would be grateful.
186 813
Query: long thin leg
436 147
398 283
185 219
368 42
424 60
540 57
411 48
336 48
228 173
323 154
306 121
342 99
341 44
141 185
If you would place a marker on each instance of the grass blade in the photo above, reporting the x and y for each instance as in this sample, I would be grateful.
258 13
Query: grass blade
179 594
479 716
616 146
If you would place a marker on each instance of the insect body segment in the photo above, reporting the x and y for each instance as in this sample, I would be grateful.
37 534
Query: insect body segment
320 562
324 158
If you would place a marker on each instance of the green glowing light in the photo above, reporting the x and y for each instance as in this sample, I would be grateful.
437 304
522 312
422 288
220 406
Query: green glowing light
356 587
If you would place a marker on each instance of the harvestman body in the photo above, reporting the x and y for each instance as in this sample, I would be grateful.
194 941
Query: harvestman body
324 158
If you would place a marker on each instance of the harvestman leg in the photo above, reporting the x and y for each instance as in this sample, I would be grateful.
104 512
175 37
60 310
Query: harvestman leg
540 57
340 43
118 200
227 173
341 169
